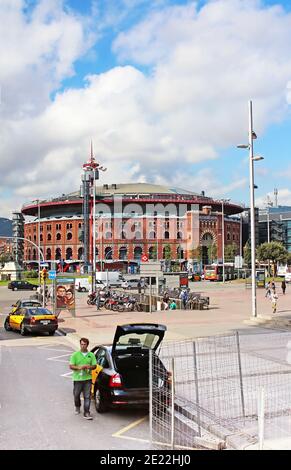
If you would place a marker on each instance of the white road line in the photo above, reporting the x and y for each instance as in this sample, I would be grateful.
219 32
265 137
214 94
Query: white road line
67 375
56 358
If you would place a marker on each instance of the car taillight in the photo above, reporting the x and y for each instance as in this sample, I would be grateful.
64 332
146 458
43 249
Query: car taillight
32 320
115 381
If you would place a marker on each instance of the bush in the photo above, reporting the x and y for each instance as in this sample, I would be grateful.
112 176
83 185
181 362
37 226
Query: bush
30 274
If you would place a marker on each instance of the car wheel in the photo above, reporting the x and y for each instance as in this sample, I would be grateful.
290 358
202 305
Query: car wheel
22 330
34 288
14 288
100 403
7 326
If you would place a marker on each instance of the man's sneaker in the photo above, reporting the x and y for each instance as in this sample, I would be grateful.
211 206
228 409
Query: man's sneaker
87 416
77 411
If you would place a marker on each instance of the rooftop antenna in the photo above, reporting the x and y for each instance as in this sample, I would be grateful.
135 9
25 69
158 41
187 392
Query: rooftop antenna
276 197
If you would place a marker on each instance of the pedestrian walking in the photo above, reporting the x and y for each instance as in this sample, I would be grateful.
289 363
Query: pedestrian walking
274 299
184 298
82 363
166 299
283 286
139 287
268 290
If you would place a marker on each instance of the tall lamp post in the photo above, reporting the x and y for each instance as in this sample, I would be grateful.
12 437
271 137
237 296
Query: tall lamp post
252 158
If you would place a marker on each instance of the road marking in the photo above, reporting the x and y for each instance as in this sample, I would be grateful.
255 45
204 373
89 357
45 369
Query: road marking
56 358
67 375
130 426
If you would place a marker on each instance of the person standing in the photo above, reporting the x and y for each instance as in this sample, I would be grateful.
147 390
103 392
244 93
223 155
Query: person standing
283 286
274 299
166 300
82 363
268 290
139 287
184 298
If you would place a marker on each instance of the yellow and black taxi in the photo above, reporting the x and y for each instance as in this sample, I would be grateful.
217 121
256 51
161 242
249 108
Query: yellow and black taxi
121 377
31 319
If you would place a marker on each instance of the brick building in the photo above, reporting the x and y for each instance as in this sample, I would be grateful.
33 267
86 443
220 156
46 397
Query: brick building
131 220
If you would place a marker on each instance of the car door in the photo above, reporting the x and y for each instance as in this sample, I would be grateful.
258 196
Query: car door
17 318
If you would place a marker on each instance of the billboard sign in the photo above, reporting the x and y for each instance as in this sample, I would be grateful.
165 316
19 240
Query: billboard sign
65 293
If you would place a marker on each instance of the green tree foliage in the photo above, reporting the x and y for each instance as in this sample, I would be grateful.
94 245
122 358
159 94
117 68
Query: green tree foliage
212 253
230 252
168 252
5 257
273 251
196 253
247 254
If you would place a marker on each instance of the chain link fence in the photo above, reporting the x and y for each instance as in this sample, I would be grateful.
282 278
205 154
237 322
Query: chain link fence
207 396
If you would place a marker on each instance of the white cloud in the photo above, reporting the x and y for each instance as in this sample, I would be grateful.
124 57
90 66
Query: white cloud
204 66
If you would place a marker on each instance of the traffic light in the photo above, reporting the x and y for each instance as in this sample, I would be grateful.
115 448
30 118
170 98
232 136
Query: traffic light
43 275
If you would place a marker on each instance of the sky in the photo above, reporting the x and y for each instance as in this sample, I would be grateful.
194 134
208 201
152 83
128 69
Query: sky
161 87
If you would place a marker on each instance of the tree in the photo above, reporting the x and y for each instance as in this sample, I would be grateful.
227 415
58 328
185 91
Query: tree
196 253
212 253
273 251
229 252
167 252
5 257
288 260
247 254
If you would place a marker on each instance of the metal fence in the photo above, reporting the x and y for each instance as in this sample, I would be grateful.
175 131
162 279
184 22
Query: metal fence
208 398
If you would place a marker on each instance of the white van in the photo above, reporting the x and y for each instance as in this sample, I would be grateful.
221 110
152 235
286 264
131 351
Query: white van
110 278
82 284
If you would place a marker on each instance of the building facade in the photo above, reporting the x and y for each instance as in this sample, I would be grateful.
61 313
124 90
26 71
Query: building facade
133 220
275 225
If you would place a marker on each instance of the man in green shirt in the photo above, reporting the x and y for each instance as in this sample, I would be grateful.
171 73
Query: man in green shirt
82 363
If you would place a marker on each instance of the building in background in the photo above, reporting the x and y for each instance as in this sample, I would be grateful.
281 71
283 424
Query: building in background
275 225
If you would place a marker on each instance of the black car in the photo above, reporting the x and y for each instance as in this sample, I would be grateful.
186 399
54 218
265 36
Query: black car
21 285
121 377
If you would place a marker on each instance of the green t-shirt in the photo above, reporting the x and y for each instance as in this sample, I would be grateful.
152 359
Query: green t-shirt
78 359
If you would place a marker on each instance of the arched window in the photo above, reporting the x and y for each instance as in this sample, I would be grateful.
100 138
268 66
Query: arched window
179 235
41 237
108 252
152 235
228 236
166 235
123 252
180 253
49 237
58 237
137 253
34 254
80 253
69 236
108 235
137 235
69 253
58 253
48 254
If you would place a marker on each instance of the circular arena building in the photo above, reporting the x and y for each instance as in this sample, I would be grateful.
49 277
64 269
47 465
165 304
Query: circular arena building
131 221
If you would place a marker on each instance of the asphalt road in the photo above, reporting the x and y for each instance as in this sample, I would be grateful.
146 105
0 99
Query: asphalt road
36 399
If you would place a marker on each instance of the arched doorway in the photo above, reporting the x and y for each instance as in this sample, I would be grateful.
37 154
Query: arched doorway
137 253
58 253
108 252
69 253
152 252
206 242
80 253
123 253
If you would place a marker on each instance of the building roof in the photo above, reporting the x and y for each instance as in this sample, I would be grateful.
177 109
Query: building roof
137 188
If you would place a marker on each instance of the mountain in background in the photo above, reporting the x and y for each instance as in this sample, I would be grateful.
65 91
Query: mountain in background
5 227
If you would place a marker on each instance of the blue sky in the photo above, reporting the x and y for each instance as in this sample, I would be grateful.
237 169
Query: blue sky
160 86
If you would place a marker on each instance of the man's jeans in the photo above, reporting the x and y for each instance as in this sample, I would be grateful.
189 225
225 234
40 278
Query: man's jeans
85 387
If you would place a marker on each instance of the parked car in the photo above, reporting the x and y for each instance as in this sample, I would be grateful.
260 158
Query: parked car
31 319
194 277
121 377
21 285
133 283
25 303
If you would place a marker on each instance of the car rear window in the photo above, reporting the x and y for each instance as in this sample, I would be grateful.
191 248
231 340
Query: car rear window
30 304
134 340
39 311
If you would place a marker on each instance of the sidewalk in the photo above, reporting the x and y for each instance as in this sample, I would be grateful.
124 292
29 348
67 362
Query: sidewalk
230 310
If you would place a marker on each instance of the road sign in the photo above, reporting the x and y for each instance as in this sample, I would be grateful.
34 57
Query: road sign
52 274
144 258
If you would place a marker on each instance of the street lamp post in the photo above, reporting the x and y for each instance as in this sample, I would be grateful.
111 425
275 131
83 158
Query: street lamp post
252 158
